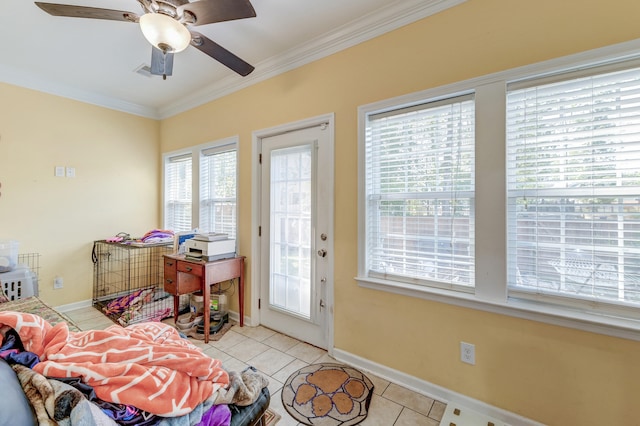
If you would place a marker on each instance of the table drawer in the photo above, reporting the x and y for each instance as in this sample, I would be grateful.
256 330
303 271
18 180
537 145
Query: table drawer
170 263
170 275
190 268
171 283
186 283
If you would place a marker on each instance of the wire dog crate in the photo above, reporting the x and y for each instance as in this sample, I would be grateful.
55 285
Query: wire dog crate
128 282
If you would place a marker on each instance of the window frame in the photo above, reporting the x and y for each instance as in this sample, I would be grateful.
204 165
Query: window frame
220 148
578 298
196 153
491 292
424 108
166 161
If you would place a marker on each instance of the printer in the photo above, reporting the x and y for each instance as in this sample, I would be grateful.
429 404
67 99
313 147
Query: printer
208 247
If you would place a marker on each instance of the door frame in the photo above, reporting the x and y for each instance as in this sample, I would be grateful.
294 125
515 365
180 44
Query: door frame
256 284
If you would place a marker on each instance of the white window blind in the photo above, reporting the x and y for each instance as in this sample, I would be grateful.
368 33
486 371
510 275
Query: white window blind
419 183
574 186
178 184
218 176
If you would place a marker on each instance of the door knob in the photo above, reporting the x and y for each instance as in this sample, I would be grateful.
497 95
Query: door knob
322 252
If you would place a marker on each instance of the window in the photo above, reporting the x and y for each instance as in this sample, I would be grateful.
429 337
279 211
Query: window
419 182
218 190
212 170
177 192
522 199
574 186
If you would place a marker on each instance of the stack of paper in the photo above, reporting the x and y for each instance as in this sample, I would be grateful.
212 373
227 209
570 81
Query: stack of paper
211 236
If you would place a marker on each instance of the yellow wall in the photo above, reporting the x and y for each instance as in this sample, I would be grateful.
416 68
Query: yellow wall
551 374
116 158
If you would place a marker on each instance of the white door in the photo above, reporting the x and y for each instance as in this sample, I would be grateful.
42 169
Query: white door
296 239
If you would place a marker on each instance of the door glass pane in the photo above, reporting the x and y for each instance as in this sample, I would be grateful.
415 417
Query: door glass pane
290 272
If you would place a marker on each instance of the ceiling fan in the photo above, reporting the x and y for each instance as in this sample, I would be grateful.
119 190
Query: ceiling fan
165 23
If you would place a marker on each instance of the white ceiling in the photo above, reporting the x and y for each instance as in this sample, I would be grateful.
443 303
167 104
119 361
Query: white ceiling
95 61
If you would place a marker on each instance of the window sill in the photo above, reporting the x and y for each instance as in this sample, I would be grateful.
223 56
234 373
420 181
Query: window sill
520 308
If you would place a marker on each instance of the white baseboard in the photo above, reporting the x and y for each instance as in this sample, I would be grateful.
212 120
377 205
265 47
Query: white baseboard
235 316
72 306
431 390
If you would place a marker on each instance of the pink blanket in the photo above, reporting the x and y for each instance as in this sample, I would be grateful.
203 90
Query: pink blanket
147 365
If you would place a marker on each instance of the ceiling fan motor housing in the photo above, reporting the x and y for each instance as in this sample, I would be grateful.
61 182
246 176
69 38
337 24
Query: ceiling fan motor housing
166 25
169 8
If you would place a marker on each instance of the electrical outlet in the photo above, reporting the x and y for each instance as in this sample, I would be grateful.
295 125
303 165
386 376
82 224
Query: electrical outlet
58 282
468 353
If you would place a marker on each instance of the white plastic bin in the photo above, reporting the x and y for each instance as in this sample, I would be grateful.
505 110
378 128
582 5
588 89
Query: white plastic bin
8 255
196 303
19 283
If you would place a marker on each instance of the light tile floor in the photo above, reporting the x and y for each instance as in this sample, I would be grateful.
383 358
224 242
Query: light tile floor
277 356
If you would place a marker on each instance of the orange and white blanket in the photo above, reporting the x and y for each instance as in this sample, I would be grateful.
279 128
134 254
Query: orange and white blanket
147 365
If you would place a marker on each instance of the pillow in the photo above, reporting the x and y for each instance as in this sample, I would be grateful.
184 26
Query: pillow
14 406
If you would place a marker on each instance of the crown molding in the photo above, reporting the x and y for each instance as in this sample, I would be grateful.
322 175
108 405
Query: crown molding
36 82
389 18
386 19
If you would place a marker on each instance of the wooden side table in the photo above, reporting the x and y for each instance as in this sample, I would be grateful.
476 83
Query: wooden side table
183 276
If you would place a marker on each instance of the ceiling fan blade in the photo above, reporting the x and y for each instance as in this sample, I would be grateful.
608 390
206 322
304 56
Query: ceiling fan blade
210 11
220 54
161 63
87 12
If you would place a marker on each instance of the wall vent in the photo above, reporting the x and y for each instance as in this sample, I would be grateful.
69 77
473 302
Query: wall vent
144 69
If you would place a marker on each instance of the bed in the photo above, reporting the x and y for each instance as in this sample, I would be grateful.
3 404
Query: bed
148 370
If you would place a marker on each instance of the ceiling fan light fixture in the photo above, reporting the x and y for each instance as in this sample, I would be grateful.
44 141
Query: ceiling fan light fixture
164 32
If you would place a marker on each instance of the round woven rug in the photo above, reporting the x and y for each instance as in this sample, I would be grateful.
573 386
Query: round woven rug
327 395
